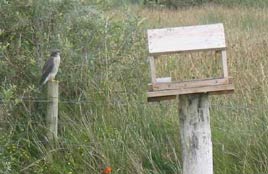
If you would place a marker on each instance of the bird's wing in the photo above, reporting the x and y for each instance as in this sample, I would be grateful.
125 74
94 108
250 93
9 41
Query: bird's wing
47 68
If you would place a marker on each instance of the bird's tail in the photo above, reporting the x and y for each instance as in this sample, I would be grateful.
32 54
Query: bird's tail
42 82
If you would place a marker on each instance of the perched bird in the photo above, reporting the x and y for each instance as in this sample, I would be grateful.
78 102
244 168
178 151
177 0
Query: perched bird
50 68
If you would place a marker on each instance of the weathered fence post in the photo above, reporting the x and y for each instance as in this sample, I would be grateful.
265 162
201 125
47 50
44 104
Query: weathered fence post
195 134
52 109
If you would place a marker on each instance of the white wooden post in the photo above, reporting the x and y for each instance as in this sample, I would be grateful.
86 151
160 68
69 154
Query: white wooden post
195 134
52 110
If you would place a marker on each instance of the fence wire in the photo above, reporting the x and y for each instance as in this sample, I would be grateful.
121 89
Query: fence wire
244 106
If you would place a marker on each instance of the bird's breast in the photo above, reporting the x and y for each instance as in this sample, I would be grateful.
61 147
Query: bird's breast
57 62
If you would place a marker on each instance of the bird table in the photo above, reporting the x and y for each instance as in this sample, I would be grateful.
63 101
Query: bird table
193 95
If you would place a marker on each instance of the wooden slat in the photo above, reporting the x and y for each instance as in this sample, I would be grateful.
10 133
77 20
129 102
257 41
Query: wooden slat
153 69
171 97
189 84
224 63
190 38
205 89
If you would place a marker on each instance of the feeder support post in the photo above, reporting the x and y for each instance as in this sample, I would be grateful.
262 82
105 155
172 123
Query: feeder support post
195 134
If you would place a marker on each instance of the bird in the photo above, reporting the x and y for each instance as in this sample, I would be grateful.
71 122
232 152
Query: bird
50 68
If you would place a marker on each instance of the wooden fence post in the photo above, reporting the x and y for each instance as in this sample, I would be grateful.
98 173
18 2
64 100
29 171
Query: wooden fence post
52 109
195 134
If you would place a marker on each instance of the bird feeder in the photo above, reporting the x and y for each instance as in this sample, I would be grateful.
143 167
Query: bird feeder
187 39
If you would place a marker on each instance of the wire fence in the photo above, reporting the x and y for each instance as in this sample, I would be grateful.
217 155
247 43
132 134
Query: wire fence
240 106
245 106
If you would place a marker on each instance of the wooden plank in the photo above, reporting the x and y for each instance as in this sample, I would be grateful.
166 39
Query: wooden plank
205 89
189 38
224 63
189 84
171 97
153 69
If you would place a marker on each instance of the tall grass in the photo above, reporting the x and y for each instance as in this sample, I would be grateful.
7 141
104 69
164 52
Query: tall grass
104 117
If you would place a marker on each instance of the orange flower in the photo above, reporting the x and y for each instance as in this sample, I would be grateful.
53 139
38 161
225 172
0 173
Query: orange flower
107 170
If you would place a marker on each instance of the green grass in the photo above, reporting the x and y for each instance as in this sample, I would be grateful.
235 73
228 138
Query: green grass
111 124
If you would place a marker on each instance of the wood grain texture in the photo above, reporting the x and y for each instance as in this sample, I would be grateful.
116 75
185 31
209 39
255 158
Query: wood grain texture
195 134
52 109
224 63
189 38
189 84
205 89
